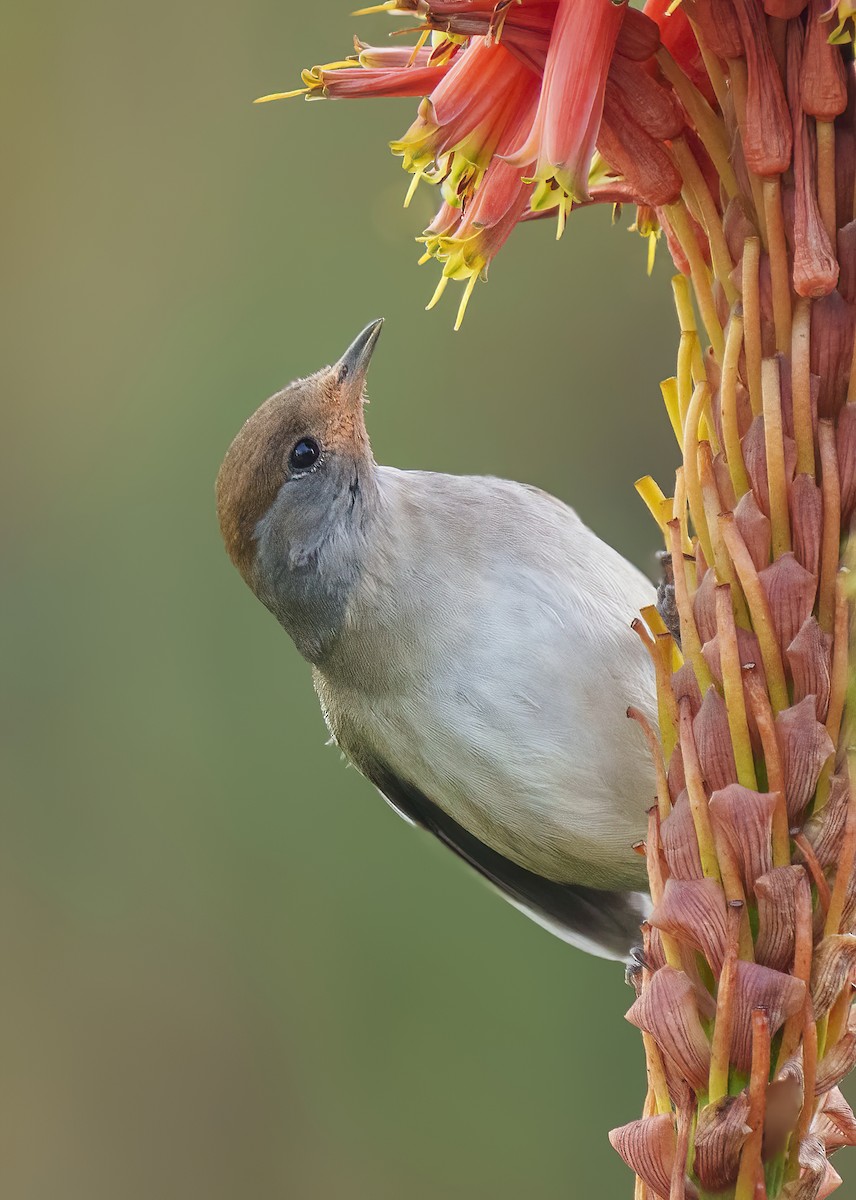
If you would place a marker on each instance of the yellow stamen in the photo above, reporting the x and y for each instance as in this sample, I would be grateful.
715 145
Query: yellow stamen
652 252
462 307
388 6
438 292
423 38
411 191
653 497
282 95
669 389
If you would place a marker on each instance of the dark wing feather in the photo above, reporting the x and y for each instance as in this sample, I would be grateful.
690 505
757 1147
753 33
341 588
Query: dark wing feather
602 922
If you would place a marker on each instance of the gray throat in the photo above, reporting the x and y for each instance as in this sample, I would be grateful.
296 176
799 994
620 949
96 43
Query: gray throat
306 570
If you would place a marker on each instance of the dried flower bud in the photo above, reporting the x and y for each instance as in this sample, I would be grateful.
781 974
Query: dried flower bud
639 36
738 224
815 269
780 995
822 82
805 502
755 457
668 1010
805 746
704 610
721 1133
754 529
838 1061
768 139
778 894
825 829
790 591
694 911
742 821
810 658
653 106
815 1168
631 151
675 773
685 684
835 1124
713 740
680 844
831 351
717 23
648 1147
831 970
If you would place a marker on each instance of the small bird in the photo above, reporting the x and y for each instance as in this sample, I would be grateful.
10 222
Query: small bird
470 644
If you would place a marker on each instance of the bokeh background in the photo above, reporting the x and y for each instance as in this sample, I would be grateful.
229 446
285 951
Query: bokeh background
228 970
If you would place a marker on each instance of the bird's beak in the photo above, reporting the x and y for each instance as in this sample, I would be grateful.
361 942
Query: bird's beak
352 367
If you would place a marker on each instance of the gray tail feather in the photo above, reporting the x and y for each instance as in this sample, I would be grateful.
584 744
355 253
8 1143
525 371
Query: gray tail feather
601 922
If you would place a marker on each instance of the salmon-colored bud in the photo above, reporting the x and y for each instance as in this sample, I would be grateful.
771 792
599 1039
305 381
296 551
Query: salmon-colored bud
831 351
810 660
655 107
694 911
832 968
668 1010
815 270
780 995
846 447
684 683
743 821
720 1135
717 23
825 829
648 1147
680 844
754 529
631 152
790 591
847 261
755 457
779 894
805 746
838 1061
639 36
835 1124
805 502
768 138
822 78
713 740
704 610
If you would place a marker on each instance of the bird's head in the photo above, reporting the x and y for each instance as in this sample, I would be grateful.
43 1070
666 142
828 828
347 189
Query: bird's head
294 474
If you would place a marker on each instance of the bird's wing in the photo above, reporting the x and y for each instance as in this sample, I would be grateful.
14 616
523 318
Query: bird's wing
600 922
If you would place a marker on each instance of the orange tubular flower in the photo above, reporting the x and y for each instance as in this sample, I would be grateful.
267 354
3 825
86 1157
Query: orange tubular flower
564 131
459 128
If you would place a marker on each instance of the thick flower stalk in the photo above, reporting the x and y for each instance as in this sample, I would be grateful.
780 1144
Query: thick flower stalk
731 126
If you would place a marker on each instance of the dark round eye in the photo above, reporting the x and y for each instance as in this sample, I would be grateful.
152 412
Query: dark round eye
305 454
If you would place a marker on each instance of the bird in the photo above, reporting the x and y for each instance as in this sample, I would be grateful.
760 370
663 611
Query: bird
471 647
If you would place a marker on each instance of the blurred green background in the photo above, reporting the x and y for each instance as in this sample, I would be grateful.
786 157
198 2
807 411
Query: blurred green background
229 970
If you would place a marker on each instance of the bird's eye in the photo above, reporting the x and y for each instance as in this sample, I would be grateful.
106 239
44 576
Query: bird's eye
305 454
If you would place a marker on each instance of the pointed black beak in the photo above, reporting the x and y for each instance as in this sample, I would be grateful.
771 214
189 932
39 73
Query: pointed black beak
353 366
